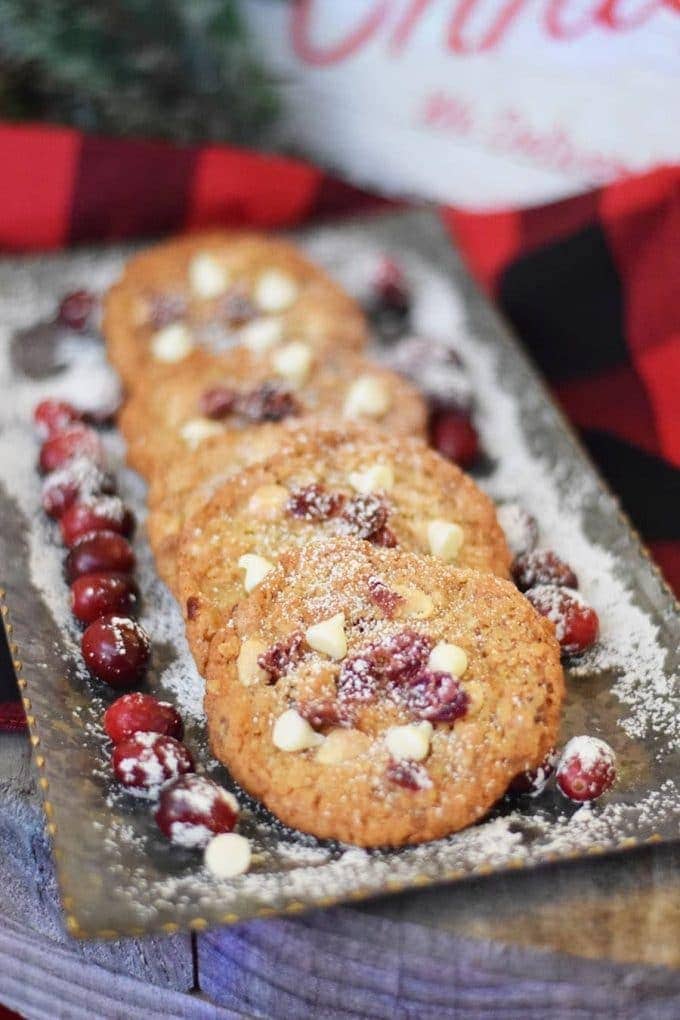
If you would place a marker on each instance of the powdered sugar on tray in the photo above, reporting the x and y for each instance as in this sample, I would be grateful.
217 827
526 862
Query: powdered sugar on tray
524 448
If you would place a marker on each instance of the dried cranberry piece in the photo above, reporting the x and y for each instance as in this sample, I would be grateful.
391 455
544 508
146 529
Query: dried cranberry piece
80 479
542 566
166 308
390 285
577 625
99 513
437 697
95 595
324 712
141 713
76 309
366 516
533 781
358 680
269 402
236 307
384 597
453 434
53 416
314 503
116 650
519 527
218 402
146 761
282 656
193 809
75 441
586 769
193 606
385 538
394 661
102 552
408 774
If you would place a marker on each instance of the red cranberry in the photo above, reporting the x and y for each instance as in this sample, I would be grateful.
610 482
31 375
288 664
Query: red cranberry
576 624
437 697
95 595
394 661
278 659
76 308
366 517
454 436
116 650
314 503
519 526
586 769
408 774
99 513
141 713
102 552
53 416
80 479
323 712
166 308
390 285
270 402
193 809
146 761
383 597
542 567
75 441
218 402
533 781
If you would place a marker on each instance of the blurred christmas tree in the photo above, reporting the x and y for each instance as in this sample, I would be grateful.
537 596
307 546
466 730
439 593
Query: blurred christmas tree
180 69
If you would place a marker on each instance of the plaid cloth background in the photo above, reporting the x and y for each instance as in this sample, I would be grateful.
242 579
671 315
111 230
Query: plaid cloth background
591 284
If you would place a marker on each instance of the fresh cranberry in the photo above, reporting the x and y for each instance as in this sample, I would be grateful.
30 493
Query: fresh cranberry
437 697
278 659
141 713
533 781
116 650
269 402
193 809
103 552
75 441
390 285
236 307
53 416
454 436
95 595
542 567
366 517
80 479
586 769
76 309
99 513
314 503
323 712
383 597
577 625
519 526
218 402
394 661
408 774
146 761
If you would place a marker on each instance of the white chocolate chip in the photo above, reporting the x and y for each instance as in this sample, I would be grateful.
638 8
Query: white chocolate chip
227 855
368 396
172 343
268 501
411 741
447 658
194 431
293 733
207 277
293 362
342 745
445 539
417 603
248 669
379 478
256 568
328 636
262 334
275 291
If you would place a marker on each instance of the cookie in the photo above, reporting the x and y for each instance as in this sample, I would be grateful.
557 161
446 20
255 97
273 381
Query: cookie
369 696
327 481
163 418
193 298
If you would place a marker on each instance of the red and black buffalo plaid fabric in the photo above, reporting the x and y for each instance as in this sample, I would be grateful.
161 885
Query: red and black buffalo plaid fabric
591 284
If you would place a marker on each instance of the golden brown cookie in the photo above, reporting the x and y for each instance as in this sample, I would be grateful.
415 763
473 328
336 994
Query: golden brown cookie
370 696
164 417
193 298
325 481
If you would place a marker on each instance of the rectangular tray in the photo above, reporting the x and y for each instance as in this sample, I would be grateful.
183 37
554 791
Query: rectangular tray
117 874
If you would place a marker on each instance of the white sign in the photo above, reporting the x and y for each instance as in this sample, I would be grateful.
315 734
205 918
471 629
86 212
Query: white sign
477 103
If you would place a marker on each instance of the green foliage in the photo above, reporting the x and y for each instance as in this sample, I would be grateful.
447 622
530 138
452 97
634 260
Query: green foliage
180 69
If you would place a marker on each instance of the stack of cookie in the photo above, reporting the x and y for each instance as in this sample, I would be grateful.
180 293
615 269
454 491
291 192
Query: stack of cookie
371 674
